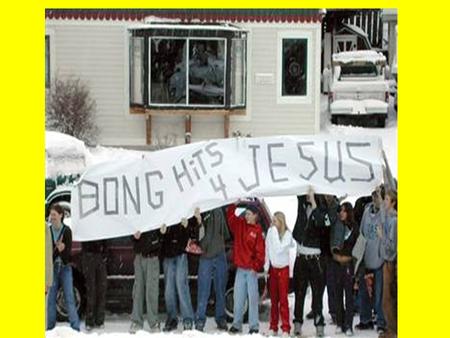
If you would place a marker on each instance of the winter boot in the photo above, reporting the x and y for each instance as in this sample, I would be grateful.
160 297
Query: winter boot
320 331
297 329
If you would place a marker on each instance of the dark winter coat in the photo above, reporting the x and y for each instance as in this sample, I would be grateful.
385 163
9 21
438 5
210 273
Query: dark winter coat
149 244
176 238
349 242
307 230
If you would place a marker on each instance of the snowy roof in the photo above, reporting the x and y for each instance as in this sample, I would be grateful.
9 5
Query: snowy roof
183 26
359 56
292 15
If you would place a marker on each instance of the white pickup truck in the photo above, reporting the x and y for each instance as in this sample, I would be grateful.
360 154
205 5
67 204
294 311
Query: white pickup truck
359 92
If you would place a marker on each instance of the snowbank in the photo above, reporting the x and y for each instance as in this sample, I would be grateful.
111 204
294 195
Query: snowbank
64 154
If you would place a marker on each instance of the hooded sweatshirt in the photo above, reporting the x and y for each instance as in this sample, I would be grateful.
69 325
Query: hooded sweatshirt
389 240
370 220
277 248
248 242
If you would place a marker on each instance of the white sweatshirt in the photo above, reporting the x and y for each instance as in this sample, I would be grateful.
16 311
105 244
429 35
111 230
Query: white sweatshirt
277 250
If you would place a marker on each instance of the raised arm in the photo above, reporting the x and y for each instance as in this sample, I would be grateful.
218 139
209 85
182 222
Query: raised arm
301 218
234 221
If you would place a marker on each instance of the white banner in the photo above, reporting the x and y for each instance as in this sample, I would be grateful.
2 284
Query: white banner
120 197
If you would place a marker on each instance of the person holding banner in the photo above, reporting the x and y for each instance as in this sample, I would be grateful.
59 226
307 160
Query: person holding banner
278 243
94 270
330 237
48 266
249 258
373 265
388 234
345 271
309 267
62 270
175 264
146 279
213 265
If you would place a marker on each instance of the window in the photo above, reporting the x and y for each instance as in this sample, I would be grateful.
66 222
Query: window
168 71
187 66
207 72
358 70
294 67
136 70
47 61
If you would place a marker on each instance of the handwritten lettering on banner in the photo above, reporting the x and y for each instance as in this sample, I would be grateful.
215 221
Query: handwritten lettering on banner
117 198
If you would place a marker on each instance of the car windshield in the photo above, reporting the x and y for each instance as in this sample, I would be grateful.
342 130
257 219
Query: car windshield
358 70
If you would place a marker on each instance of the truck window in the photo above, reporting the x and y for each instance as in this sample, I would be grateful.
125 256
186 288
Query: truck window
364 70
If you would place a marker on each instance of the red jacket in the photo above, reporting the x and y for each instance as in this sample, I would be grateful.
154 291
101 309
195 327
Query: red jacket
249 245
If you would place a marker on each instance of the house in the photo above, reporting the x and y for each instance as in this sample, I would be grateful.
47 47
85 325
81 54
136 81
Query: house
389 16
193 74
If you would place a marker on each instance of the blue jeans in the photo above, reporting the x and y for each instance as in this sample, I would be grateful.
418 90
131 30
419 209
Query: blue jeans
246 286
177 286
212 268
62 275
366 306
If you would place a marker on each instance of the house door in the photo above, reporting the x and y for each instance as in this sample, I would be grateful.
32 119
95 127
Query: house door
344 43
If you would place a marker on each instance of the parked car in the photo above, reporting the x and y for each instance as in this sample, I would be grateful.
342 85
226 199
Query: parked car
359 92
120 271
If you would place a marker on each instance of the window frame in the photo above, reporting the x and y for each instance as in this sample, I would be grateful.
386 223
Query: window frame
295 99
180 32
187 104
131 74
50 33
244 83
149 78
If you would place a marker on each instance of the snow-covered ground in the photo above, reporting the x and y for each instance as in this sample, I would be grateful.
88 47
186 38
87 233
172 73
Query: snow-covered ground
117 326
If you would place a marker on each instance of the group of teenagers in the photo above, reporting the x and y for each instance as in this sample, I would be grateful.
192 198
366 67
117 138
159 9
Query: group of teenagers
335 248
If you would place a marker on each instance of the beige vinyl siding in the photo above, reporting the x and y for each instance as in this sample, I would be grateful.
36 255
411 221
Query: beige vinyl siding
98 53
